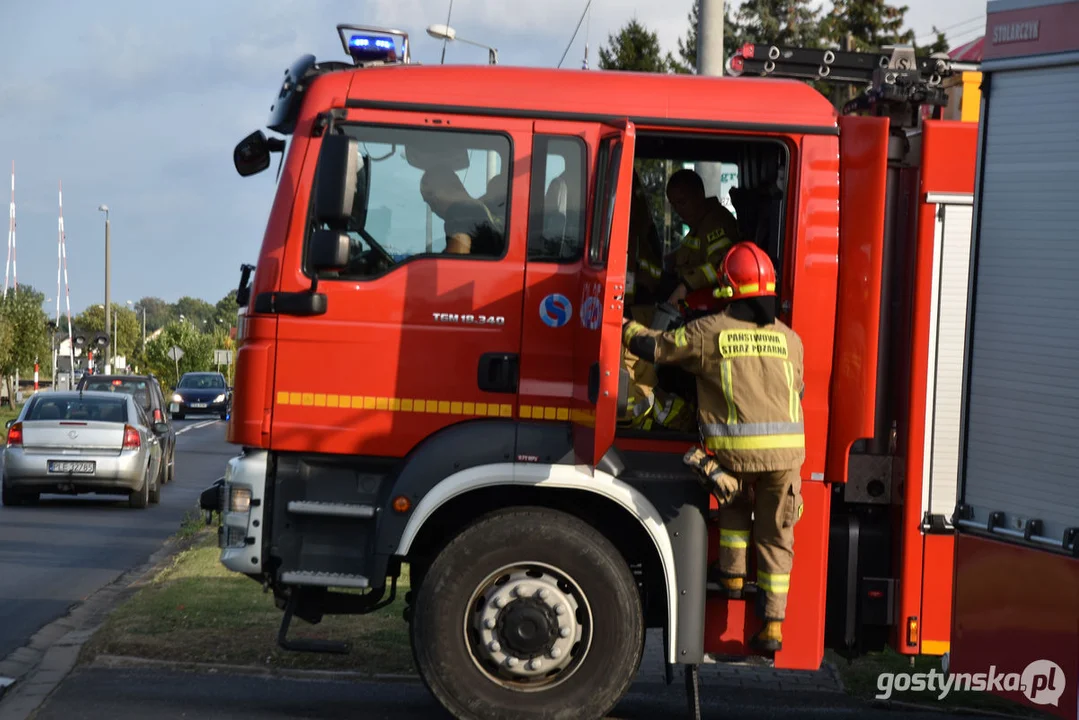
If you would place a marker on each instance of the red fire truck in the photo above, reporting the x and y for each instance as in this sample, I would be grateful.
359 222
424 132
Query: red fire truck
1016 624
398 403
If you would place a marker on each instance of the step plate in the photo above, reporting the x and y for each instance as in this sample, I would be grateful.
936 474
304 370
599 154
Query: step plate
310 507
306 577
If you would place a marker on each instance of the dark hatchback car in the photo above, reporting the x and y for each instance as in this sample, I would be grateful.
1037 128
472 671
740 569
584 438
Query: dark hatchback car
149 395
201 393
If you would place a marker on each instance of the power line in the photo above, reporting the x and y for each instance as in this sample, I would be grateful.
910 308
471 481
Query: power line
575 31
931 34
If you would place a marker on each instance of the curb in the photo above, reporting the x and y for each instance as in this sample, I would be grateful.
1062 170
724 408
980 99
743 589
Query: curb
30 674
115 662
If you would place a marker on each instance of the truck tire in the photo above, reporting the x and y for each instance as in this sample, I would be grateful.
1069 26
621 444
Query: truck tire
529 613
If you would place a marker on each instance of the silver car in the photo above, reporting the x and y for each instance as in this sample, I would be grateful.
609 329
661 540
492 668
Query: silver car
82 442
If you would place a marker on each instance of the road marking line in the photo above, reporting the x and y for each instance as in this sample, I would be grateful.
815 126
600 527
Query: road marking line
196 426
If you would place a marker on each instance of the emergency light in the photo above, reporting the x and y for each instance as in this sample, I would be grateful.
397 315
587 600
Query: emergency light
371 48
373 44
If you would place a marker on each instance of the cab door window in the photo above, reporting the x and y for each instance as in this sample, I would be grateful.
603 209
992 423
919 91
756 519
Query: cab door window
559 176
425 193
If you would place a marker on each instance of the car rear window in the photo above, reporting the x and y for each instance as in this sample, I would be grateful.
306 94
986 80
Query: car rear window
103 409
129 386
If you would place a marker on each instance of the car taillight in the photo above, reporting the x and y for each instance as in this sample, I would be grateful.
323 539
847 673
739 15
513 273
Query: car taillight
14 435
157 415
131 438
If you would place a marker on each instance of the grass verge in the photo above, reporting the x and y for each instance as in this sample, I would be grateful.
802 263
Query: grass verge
196 611
860 679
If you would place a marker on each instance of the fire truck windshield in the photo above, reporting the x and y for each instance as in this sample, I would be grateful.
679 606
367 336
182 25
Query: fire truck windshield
423 192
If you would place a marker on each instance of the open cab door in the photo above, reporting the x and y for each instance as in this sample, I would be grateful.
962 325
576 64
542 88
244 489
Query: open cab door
597 386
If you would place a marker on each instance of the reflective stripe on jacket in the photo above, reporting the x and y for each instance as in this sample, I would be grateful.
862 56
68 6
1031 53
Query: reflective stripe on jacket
749 388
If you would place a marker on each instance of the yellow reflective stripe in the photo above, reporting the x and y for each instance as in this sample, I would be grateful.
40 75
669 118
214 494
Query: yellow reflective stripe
775 583
691 241
733 538
680 339
652 270
666 414
755 442
755 287
792 393
430 406
709 272
718 244
632 328
728 392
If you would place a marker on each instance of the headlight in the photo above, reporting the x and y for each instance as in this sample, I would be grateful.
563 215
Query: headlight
239 499
176 398
220 398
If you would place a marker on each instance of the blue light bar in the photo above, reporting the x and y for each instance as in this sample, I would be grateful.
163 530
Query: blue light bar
372 47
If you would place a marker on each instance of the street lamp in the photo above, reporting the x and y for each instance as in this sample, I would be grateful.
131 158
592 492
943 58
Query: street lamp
445 32
105 209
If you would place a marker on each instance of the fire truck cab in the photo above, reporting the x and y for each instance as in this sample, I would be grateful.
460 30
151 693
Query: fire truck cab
413 391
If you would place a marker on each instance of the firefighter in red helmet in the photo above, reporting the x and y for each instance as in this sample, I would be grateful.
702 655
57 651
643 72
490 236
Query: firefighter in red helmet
749 372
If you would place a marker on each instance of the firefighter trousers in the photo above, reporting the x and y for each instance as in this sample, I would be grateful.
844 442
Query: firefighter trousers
768 508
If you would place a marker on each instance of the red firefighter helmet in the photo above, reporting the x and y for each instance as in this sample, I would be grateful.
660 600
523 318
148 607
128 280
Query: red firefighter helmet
747 272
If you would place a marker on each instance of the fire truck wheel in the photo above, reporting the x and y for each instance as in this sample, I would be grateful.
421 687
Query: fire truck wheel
528 613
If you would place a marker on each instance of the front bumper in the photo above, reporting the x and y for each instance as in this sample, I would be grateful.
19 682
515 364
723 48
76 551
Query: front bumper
113 473
240 534
196 407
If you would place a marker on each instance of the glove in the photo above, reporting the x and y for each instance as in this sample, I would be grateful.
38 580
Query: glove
724 486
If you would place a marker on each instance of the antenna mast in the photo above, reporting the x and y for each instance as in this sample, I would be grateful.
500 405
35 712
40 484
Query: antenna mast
61 265
11 241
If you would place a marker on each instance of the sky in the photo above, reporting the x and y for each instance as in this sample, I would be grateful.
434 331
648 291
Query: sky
138 105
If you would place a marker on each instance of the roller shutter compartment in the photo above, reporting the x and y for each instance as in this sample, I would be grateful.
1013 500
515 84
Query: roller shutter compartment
1022 433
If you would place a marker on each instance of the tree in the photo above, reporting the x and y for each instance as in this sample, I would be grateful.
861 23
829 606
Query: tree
197 347
871 24
127 330
196 311
22 314
158 312
779 22
225 310
939 45
686 62
634 48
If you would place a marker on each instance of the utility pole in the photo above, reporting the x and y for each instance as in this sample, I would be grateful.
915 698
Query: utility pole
710 63
105 209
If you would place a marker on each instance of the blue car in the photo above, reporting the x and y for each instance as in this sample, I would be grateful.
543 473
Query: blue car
200 393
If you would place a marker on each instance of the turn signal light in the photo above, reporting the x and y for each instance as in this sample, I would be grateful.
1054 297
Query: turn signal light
912 632
401 504
14 435
131 438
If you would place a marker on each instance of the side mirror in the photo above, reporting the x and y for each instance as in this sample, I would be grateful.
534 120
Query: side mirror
161 428
329 250
336 180
252 154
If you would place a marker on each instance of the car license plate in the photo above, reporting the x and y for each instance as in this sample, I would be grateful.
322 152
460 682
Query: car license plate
174 407
198 405
80 467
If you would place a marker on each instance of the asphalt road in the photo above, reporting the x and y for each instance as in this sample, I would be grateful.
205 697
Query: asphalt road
65 548
135 694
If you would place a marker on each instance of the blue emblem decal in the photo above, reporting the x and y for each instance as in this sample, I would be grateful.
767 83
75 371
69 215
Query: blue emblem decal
555 310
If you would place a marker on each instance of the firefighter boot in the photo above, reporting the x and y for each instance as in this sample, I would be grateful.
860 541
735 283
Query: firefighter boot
770 637
732 587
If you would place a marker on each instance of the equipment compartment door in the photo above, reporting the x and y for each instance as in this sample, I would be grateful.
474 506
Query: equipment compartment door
416 337
598 338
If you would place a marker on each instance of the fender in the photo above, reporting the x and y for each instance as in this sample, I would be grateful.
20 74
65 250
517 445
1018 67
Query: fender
565 477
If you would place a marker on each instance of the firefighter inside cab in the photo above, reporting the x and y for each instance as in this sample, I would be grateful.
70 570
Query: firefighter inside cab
712 231
749 371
